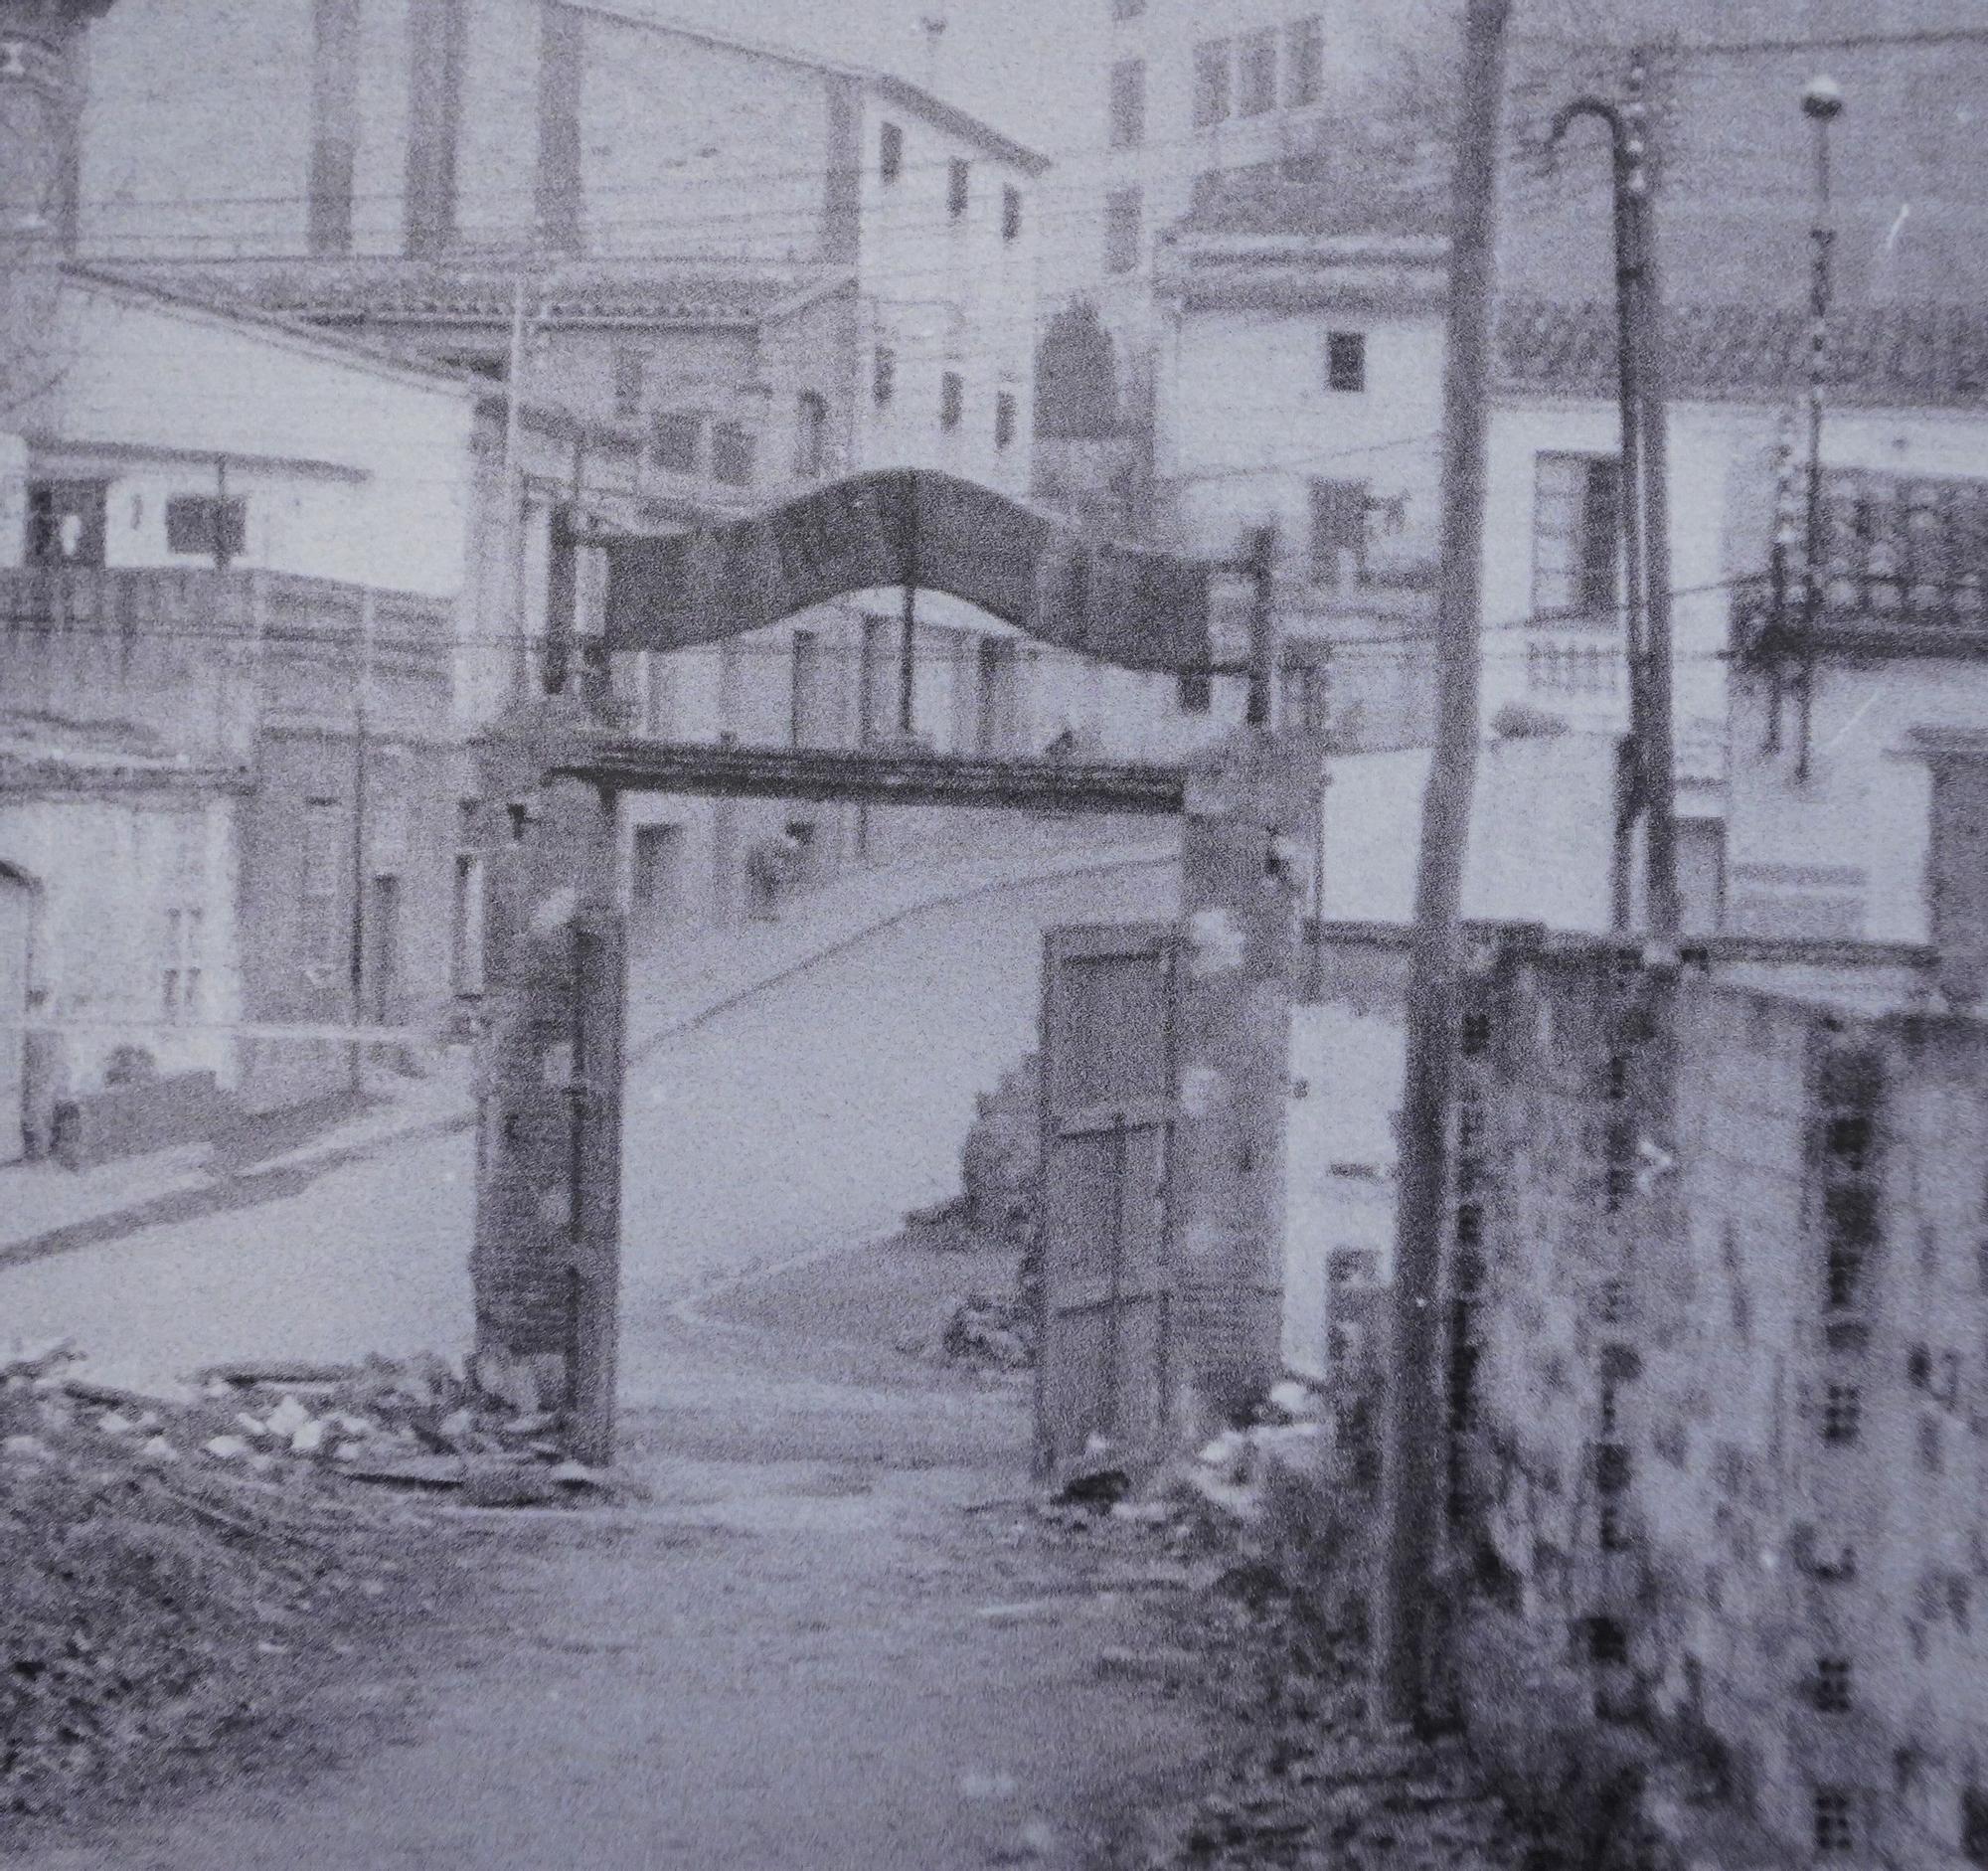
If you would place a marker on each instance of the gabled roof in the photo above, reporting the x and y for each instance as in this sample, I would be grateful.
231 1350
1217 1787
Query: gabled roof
900 92
187 301
1903 355
472 290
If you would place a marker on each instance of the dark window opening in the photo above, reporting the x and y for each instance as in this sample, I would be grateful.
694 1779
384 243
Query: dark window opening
1575 526
811 446
66 523
191 526
1842 1413
629 370
1257 74
1210 84
1339 533
1124 212
1346 361
951 399
1832 1685
1128 103
731 452
1607 1641
958 186
884 376
891 152
673 440
1834 1832
1004 420
1011 213
1304 62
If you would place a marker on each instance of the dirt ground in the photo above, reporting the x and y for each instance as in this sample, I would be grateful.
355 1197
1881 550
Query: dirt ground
832 1635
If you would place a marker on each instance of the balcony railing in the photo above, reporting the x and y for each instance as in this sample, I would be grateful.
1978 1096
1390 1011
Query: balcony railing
1903 571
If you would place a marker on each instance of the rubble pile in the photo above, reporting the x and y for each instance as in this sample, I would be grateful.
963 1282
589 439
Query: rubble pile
1306 1782
158 1601
991 1332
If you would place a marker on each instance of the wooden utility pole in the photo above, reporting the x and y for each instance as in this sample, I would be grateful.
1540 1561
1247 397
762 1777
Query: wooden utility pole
1414 1468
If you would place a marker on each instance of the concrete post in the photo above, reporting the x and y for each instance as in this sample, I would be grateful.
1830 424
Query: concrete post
1246 858
542 1331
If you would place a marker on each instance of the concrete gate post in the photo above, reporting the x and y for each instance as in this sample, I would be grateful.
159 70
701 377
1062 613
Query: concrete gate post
544 1297
1246 845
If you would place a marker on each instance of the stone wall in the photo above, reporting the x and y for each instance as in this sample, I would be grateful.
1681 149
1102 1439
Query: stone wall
1718 1396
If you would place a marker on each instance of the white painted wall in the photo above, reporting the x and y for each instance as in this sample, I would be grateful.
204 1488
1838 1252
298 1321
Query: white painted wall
143 372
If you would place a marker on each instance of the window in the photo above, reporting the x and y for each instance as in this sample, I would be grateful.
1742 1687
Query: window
1004 420
628 371
1577 499
1210 84
189 526
958 183
732 449
951 399
1833 1834
1128 103
317 894
1346 361
891 152
1842 1413
1338 533
811 440
1832 1685
1304 62
180 989
673 440
1257 74
884 376
1011 213
1122 214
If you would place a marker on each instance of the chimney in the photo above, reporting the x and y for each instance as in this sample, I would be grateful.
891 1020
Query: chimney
37 110
40 108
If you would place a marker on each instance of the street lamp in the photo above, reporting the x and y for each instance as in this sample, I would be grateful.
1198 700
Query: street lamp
1822 104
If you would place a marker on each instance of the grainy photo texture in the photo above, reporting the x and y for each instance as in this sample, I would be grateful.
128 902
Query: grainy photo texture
964 932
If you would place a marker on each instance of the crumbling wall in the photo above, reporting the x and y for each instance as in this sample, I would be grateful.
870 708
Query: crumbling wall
1718 1399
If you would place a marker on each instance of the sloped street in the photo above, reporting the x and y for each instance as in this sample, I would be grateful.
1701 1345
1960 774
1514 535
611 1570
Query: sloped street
824 1631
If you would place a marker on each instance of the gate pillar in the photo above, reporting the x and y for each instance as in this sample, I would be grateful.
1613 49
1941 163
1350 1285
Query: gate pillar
544 1264
1247 851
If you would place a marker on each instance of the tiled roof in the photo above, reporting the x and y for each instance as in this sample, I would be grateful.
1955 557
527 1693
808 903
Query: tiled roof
1352 198
1905 356
480 292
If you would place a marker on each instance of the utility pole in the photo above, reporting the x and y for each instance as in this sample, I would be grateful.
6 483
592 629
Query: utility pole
1261 560
907 653
1412 1469
1822 104
514 497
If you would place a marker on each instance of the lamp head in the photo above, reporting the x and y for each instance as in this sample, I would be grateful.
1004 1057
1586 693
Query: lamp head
1822 98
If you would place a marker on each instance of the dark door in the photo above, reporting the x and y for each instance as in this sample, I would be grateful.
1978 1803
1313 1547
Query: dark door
1108 1112
593 1274
383 949
66 523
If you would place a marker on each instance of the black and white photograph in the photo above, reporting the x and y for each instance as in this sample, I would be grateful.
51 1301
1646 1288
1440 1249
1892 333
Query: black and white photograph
946 933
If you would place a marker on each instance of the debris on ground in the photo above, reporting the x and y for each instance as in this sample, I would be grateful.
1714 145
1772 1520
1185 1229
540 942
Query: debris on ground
990 1330
160 1602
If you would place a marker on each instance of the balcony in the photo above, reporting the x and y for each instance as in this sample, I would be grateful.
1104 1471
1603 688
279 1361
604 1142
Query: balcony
1905 573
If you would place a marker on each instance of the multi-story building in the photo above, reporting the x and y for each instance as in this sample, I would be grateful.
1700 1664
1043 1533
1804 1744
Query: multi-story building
227 754
767 269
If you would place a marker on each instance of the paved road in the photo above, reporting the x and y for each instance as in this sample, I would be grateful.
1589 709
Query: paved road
810 1116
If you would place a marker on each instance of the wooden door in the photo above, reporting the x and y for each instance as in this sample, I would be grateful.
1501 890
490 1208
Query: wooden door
1109 1115
14 904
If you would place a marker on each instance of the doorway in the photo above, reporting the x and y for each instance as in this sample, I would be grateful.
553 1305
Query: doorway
382 947
656 885
16 907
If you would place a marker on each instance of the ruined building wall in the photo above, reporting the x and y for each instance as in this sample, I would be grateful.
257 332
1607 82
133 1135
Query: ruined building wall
1720 1405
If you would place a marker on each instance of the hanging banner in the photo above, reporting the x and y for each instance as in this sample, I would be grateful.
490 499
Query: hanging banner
1140 610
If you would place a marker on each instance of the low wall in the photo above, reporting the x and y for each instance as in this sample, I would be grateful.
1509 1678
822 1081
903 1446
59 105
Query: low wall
132 1119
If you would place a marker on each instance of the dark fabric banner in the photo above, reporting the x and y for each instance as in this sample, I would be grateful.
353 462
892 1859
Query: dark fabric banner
1136 608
